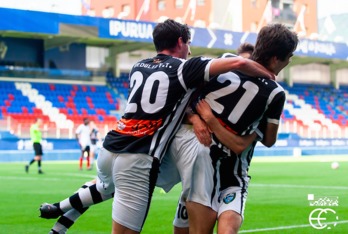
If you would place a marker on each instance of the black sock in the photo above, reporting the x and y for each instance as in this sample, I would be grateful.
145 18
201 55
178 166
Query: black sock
31 162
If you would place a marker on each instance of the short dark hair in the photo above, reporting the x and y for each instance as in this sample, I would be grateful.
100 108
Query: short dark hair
166 34
245 48
86 120
274 40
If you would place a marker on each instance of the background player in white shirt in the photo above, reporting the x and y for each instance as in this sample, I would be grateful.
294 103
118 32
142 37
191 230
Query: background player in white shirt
83 135
96 142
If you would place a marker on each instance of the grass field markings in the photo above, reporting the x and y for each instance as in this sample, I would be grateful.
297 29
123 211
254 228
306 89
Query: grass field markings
317 158
49 178
80 175
288 227
299 186
28 178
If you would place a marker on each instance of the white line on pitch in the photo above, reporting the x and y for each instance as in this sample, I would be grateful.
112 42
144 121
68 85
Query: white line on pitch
299 186
286 227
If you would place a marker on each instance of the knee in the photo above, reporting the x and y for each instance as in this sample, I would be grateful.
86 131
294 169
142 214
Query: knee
229 222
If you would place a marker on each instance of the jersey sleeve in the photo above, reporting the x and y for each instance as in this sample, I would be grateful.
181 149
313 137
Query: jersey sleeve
275 108
78 130
272 115
195 71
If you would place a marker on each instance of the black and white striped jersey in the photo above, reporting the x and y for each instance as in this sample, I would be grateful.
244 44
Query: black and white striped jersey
160 89
240 102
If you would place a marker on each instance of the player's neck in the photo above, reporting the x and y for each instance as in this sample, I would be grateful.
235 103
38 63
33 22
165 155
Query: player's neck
169 52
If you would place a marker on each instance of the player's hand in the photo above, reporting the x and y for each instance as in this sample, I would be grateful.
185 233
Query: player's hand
202 132
204 111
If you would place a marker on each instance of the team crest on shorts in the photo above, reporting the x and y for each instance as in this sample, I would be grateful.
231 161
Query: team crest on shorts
229 198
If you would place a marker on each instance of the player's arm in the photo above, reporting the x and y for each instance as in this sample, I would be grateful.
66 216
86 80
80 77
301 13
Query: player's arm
246 66
234 142
269 124
77 134
200 128
269 131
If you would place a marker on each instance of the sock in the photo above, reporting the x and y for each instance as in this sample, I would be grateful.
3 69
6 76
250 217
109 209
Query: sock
39 164
92 161
69 218
82 199
88 162
31 162
81 160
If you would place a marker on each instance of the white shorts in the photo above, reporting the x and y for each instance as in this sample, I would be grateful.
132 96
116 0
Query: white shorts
232 198
192 162
94 149
132 177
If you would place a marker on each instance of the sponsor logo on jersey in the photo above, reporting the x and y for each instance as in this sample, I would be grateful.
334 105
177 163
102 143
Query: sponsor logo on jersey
138 128
229 198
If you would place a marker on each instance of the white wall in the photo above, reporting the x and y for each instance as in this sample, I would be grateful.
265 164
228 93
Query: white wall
342 76
125 61
72 7
310 73
227 15
95 57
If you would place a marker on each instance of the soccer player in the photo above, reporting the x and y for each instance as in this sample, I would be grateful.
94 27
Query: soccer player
95 140
245 50
236 104
83 135
36 137
160 88
191 138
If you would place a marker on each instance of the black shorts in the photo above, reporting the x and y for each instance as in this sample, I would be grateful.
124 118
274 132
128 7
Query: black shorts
37 149
87 149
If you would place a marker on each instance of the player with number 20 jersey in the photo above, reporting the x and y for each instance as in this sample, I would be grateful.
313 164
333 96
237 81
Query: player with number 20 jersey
157 84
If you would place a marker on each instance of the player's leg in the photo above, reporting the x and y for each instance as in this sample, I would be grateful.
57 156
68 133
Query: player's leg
229 222
84 198
231 209
181 222
134 177
37 152
38 157
197 173
92 155
88 150
81 157
28 165
68 219
201 218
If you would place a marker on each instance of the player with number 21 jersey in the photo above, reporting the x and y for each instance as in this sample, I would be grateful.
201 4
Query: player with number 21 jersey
253 99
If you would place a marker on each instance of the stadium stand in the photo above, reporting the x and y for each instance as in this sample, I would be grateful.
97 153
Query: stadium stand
120 84
314 110
61 106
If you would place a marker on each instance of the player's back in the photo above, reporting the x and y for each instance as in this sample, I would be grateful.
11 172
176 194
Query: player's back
240 101
160 89
156 85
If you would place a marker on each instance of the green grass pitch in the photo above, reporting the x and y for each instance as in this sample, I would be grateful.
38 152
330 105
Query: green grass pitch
277 201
